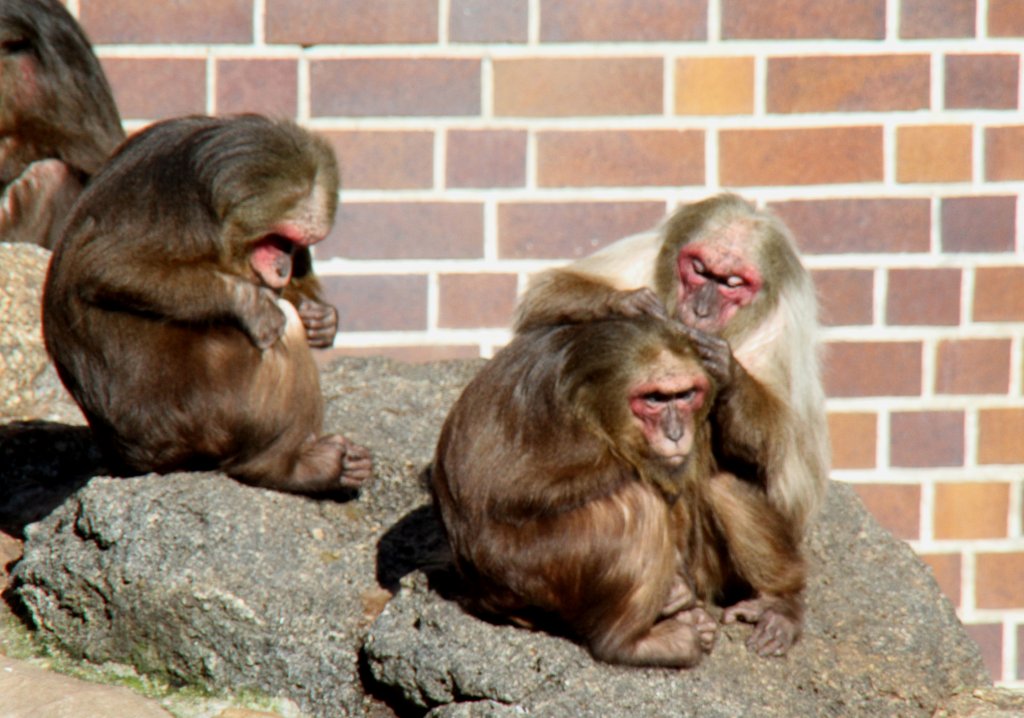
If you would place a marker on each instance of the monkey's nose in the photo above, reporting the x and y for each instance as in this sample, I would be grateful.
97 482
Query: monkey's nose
671 425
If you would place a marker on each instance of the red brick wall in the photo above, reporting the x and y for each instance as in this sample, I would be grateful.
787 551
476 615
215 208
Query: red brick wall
482 140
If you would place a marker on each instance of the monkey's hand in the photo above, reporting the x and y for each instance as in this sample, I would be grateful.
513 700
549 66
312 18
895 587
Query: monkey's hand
715 353
637 303
320 321
260 317
703 623
33 206
774 632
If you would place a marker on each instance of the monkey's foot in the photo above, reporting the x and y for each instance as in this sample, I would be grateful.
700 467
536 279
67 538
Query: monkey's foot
704 623
774 632
356 464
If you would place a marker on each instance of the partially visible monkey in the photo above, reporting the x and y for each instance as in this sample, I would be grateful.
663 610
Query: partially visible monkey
732 275
576 482
163 306
58 120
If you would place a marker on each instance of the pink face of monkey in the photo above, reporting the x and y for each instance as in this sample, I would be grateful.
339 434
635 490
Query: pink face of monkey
665 406
305 225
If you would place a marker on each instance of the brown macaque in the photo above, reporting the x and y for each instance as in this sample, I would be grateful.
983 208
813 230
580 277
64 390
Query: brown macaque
577 486
58 120
731 274
165 307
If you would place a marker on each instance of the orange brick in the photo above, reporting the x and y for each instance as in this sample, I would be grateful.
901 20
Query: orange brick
384 160
973 366
896 507
369 303
157 88
623 20
1000 580
845 296
488 21
858 225
383 230
999 294
1005 18
937 18
468 301
315 22
872 369
982 81
486 158
933 154
803 19
854 439
921 439
129 21
618 158
989 637
714 86
979 224
558 87
923 297
946 568
999 436
971 510
269 87
1004 153
800 156
875 83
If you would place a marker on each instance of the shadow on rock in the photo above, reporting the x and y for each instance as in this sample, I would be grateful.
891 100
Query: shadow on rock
415 543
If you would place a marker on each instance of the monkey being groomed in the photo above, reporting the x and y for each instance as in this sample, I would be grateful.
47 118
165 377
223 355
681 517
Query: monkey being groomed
577 486
170 305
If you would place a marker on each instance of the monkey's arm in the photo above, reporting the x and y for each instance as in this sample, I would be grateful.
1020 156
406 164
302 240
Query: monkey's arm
562 296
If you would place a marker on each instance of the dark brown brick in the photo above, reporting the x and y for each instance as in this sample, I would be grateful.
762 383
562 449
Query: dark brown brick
372 303
946 568
824 155
973 366
558 87
315 22
468 301
488 21
925 439
157 88
982 81
854 440
560 230
390 86
937 18
1004 153
897 508
129 21
923 297
486 158
384 159
979 224
858 225
622 20
877 83
593 158
999 294
803 19
406 230
269 87
1006 19
989 637
855 369
845 296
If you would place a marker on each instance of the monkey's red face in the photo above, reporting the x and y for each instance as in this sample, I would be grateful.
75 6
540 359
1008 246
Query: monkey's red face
271 259
715 280
305 225
665 405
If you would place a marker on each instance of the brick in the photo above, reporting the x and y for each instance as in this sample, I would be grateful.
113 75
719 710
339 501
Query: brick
921 19
923 297
468 301
560 87
999 294
416 354
925 439
858 225
845 296
989 637
714 86
486 158
896 507
999 436
854 439
934 153
555 230
872 369
488 21
1020 647
971 510
973 366
129 21
849 83
1006 19
395 86
406 230
800 156
384 159
1004 153
370 303
999 580
803 19
618 158
268 87
317 22
982 82
979 224
157 88
622 20
946 568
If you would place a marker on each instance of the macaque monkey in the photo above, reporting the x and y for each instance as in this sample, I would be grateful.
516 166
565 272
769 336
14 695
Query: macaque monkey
577 486
731 274
58 120
166 305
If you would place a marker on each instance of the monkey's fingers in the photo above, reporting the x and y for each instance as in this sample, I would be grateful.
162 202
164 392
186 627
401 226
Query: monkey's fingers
357 466
320 321
749 611
773 635
638 303
707 628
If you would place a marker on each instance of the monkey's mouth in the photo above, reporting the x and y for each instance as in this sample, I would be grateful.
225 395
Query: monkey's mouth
271 259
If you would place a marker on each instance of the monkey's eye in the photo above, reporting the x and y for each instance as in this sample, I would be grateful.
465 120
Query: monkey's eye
699 267
686 395
656 398
734 280
15 45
